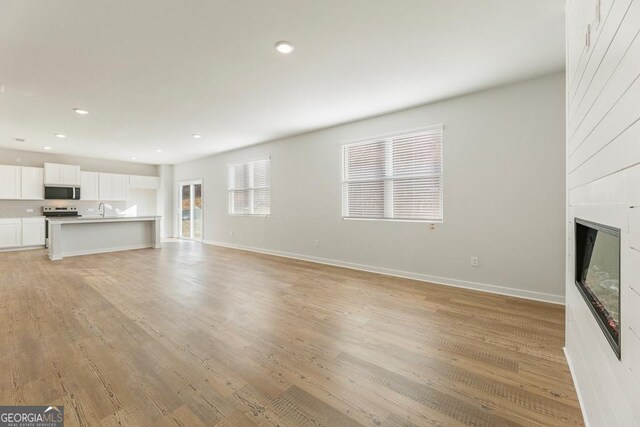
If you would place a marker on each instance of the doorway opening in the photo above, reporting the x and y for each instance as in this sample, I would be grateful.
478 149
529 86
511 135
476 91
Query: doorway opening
191 210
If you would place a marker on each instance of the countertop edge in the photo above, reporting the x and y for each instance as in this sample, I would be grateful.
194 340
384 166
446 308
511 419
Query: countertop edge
103 220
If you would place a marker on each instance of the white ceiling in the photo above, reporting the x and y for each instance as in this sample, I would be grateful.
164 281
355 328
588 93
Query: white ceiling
153 72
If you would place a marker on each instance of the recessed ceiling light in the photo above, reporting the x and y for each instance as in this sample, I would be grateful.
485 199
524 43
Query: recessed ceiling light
284 47
60 135
80 111
195 135
158 151
46 148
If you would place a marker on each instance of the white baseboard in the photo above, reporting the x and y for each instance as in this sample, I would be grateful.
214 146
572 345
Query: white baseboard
21 248
577 386
494 289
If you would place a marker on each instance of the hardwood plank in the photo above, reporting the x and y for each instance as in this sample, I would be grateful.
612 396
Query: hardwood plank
201 335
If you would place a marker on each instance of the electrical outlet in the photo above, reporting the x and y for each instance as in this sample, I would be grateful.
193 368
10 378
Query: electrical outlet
230 232
475 261
316 243
90 209
29 210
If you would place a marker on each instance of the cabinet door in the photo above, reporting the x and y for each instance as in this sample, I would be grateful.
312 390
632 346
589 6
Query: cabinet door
10 233
70 174
52 174
105 185
33 231
120 187
89 186
144 182
32 183
10 182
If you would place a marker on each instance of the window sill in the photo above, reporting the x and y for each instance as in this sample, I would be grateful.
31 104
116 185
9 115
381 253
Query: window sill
426 221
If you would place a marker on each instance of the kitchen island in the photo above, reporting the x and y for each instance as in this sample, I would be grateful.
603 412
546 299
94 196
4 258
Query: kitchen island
92 235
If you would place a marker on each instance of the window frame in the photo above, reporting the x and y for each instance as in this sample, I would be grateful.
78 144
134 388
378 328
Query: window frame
250 189
388 204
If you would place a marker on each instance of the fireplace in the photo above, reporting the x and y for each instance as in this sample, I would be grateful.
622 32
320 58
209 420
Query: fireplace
598 275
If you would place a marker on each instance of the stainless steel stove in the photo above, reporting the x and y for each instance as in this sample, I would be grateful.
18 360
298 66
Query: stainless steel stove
52 211
57 212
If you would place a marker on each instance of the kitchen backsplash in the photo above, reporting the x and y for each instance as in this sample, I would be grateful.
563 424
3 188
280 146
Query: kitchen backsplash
19 208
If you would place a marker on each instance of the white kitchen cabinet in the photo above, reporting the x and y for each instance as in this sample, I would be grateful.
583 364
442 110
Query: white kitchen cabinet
32 183
89 187
10 177
33 231
144 182
10 233
59 174
113 187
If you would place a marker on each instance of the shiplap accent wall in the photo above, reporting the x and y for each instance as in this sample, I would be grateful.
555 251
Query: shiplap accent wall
603 162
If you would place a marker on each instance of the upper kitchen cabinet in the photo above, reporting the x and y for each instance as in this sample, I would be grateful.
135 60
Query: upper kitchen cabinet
59 174
144 182
10 178
113 187
32 183
89 188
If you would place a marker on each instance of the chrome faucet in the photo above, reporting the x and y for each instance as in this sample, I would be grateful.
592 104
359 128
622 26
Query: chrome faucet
102 210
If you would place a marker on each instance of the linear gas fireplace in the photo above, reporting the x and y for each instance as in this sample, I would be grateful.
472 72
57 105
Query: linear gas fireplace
598 275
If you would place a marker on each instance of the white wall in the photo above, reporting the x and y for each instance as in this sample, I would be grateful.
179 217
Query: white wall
603 162
504 195
35 159
166 204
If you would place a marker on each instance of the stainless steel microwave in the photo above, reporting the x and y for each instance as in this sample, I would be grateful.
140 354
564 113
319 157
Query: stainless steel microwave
62 193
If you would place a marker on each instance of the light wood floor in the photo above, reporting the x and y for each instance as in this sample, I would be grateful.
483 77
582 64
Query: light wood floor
194 335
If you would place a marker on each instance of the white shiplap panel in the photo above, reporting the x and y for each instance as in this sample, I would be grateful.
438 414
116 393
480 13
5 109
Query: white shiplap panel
634 344
634 238
623 115
584 12
620 154
601 49
634 271
634 324
585 383
604 181
622 60
622 188
598 368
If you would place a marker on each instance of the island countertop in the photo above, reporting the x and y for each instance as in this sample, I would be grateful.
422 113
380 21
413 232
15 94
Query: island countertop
94 219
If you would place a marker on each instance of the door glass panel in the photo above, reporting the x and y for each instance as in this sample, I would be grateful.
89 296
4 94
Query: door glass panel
197 211
185 209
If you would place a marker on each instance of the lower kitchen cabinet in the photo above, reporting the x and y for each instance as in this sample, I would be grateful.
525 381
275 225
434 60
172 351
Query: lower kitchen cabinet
10 232
33 231
21 232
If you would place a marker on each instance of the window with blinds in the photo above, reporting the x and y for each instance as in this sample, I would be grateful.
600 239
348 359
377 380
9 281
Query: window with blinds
250 188
395 178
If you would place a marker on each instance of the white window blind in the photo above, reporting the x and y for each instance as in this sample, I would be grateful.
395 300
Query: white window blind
397 177
250 188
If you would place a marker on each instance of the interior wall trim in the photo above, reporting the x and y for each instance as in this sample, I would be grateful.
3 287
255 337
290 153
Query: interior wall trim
484 287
